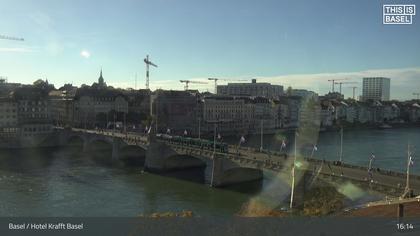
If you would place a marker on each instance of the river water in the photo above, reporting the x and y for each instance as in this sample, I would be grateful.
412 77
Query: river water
388 145
65 182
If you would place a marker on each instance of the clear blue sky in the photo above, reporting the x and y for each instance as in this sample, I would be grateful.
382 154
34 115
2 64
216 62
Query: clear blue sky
200 39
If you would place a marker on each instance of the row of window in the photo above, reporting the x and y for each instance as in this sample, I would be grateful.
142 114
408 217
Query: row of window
8 117
37 129
34 116
7 110
33 109
33 103
7 123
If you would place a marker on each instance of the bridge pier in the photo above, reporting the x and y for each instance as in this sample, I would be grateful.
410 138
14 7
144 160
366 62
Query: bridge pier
226 172
115 150
85 145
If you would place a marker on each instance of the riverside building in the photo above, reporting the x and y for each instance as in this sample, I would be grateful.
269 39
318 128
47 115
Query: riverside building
376 88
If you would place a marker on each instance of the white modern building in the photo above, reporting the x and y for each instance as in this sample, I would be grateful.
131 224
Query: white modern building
376 88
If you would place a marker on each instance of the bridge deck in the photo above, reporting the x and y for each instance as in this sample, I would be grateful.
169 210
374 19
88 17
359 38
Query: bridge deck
272 161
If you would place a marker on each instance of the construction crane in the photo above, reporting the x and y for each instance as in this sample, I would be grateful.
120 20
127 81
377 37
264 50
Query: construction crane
417 94
11 38
340 83
216 79
354 89
192 82
333 82
148 63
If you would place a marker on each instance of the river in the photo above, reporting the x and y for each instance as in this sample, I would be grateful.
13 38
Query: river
388 145
66 182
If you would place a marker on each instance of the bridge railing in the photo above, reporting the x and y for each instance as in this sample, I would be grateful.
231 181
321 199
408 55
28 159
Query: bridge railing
256 150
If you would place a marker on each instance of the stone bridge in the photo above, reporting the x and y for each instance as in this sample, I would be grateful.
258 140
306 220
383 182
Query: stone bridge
163 157
219 170
242 165
118 144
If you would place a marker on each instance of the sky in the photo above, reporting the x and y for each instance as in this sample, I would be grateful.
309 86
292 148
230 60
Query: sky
297 43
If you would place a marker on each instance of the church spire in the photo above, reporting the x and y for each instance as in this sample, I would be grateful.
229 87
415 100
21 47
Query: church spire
101 79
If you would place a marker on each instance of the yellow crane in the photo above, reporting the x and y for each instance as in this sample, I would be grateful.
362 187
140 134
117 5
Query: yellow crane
192 82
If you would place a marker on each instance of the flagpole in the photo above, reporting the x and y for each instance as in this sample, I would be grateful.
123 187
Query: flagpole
370 167
407 185
341 146
293 175
313 150
214 140
199 128
261 147
214 155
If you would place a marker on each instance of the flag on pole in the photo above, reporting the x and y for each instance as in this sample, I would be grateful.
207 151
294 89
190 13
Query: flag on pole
411 161
242 140
315 147
283 144
372 157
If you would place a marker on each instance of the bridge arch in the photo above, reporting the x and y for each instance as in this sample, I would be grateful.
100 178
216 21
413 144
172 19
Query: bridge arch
98 143
182 161
100 150
239 175
132 155
75 140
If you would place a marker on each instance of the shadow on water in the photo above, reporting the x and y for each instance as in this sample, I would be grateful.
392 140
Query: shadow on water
251 187
26 160
195 175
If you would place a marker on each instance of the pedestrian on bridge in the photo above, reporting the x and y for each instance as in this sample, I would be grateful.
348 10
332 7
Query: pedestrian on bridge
283 145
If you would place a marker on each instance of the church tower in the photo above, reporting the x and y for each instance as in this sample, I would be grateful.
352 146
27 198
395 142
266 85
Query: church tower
101 81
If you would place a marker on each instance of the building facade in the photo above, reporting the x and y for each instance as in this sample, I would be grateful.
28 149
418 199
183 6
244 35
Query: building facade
8 119
33 113
376 88
231 115
176 110
62 107
251 89
99 106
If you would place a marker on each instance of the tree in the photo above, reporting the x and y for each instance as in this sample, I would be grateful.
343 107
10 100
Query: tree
43 85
